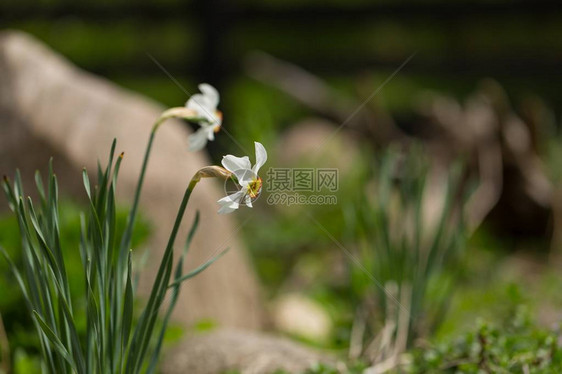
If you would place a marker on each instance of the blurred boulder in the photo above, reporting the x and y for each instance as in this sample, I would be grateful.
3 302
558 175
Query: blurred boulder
301 316
315 142
50 108
240 351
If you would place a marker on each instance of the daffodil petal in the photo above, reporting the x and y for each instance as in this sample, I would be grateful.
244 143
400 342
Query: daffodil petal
200 104
225 209
197 140
204 109
245 177
248 201
233 163
261 157
230 203
210 93
205 104
234 198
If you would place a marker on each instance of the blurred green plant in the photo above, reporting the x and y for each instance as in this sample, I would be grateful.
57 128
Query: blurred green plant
19 326
516 346
411 237
114 341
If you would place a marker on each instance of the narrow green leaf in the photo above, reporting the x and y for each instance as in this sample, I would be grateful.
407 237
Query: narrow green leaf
199 269
174 298
53 338
86 181
127 307
9 192
40 188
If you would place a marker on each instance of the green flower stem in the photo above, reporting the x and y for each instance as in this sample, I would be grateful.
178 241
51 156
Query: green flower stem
178 112
206 172
148 318
126 240
181 210
141 338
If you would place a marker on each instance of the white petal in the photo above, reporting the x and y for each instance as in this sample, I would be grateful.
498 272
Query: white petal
248 201
233 163
204 108
230 203
212 129
211 93
261 157
197 140
245 177
200 104
226 209
234 198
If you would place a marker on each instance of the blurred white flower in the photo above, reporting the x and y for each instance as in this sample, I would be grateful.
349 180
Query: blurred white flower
247 177
204 104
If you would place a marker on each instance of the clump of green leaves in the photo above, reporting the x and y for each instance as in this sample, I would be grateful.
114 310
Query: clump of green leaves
19 326
114 341
402 284
519 346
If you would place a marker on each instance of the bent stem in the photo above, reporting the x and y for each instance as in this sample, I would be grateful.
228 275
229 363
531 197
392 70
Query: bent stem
145 327
178 112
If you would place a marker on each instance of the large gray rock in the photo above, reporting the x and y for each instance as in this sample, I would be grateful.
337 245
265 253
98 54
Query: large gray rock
50 108
246 352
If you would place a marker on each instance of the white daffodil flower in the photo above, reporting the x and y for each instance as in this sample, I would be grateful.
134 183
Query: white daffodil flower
248 180
204 104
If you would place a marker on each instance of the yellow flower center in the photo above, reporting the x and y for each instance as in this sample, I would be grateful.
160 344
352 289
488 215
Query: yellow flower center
254 188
